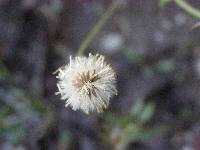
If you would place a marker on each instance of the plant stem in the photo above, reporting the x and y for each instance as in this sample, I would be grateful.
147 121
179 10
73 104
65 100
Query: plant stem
110 11
188 8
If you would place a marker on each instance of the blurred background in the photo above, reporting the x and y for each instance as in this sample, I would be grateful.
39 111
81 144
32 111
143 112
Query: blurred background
152 46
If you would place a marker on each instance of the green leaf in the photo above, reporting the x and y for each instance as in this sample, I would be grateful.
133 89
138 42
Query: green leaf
4 72
15 133
111 119
137 108
133 56
64 139
38 105
65 136
164 3
128 135
34 101
125 120
147 113
147 72
146 134
166 66
6 111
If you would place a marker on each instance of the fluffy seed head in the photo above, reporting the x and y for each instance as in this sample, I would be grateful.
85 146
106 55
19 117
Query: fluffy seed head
87 83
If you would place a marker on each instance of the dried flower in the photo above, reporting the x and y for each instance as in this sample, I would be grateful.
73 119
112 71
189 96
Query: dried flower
87 83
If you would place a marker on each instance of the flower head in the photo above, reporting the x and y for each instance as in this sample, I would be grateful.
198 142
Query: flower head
87 83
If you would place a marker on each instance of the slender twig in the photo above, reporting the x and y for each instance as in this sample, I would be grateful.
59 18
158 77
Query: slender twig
188 8
86 42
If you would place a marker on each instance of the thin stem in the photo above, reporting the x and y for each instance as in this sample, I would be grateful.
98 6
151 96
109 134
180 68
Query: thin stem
188 8
84 45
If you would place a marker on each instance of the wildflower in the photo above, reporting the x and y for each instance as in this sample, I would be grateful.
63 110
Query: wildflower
87 83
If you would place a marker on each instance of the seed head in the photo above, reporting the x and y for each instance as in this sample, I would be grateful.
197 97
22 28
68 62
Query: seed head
87 83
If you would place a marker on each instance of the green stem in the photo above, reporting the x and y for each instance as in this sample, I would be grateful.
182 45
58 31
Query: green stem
84 45
188 8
